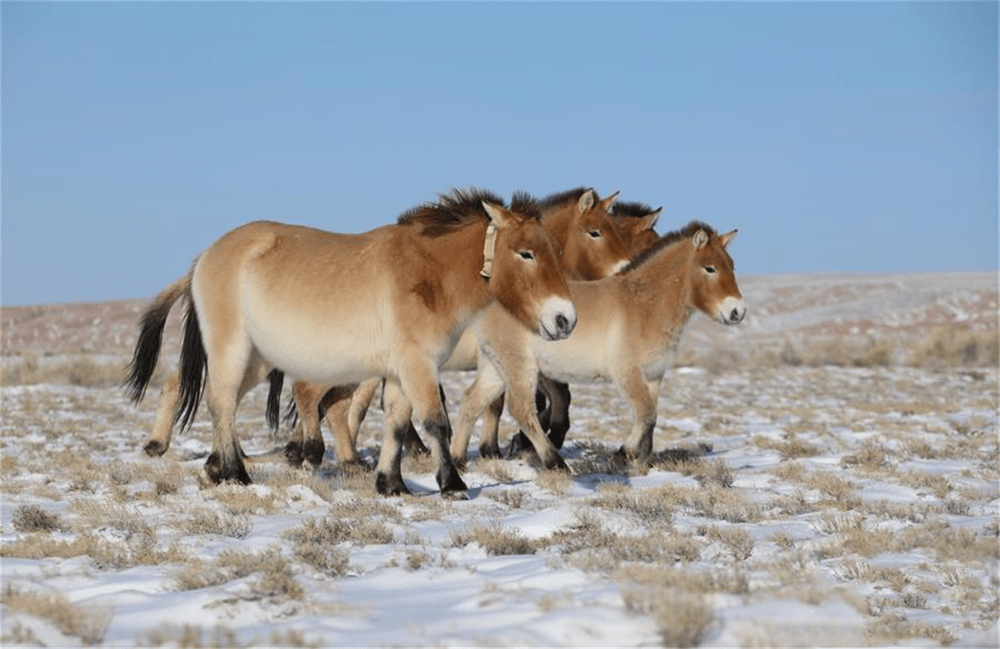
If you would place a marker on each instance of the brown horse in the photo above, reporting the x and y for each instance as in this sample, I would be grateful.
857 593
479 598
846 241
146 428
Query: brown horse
591 248
599 237
635 223
337 308
628 326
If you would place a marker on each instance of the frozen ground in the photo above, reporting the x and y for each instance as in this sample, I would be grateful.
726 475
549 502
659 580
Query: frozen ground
788 506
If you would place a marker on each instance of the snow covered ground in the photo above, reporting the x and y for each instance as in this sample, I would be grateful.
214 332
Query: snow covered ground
787 506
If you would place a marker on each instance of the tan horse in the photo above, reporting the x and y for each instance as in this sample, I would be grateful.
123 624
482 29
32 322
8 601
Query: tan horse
591 248
336 309
635 223
628 325
599 237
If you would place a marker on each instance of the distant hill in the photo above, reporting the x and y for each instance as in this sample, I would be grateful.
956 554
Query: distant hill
791 318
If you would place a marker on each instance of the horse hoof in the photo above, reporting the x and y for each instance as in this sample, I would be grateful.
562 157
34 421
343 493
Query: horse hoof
293 453
489 451
313 452
390 485
455 495
154 448
557 463
450 482
219 472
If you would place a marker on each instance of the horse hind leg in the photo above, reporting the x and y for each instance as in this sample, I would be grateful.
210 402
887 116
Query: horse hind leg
234 374
421 387
489 446
306 443
388 472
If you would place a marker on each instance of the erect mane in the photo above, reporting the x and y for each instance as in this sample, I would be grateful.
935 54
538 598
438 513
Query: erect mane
461 207
526 205
667 239
631 210
564 197
450 212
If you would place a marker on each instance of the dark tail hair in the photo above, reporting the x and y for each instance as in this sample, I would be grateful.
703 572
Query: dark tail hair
276 378
194 367
147 348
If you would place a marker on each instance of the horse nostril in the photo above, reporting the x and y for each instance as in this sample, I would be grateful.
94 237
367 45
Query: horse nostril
734 316
562 324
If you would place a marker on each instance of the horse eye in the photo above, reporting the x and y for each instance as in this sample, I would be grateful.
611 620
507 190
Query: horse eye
595 234
710 269
526 254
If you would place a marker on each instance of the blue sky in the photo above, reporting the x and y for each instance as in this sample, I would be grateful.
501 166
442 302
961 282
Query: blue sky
838 137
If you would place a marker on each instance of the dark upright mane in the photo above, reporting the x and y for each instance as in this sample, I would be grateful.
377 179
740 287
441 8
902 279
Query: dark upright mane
669 238
450 212
631 209
562 197
526 205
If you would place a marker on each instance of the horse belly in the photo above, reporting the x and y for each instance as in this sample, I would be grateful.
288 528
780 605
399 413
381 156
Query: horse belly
571 360
315 344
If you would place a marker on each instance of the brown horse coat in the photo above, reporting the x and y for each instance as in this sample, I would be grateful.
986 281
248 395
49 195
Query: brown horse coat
628 326
336 309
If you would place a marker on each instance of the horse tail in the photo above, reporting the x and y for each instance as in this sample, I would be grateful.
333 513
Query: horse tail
193 369
276 378
147 348
291 412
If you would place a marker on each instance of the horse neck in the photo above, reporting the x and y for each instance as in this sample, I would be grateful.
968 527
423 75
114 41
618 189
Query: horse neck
662 284
557 220
460 254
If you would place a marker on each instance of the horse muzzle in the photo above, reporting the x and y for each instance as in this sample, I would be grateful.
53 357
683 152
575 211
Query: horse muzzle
558 319
732 311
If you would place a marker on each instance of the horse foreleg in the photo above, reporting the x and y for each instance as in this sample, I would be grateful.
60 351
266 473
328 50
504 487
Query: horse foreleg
521 386
641 395
485 389
163 427
552 404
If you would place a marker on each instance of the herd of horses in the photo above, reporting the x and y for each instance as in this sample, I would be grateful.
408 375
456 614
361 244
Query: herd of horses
531 295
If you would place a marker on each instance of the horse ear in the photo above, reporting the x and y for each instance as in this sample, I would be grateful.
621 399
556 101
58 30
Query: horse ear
498 216
700 239
727 237
609 201
586 201
651 218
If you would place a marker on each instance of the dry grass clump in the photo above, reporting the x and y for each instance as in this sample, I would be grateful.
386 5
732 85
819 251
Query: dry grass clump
88 625
591 547
956 347
32 518
82 371
495 468
334 529
494 539
512 498
736 539
194 637
712 501
554 481
236 526
681 616
275 578
137 550
649 506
